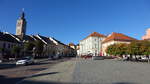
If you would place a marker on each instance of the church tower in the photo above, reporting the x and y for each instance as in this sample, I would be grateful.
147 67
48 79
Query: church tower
21 25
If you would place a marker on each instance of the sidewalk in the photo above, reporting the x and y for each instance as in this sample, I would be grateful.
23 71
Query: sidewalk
58 74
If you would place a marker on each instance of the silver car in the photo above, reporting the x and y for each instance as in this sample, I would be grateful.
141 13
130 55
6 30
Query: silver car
25 61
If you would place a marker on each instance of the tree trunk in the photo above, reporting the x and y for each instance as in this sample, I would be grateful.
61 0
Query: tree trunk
136 58
3 51
130 57
15 56
148 58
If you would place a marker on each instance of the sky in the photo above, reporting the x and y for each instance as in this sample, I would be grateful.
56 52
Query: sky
73 20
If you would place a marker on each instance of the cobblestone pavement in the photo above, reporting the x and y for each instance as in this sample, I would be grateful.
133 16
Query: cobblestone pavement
58 74
10 74
111 72
93 72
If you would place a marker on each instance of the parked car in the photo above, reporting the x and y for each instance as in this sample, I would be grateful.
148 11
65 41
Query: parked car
143 59
98 57
25 61
86 56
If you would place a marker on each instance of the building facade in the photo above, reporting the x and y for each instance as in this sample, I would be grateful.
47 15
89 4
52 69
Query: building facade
72 45
7 42
91 45
115 38
49 48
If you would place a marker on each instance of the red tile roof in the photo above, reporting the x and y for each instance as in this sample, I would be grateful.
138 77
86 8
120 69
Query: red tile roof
118 37
95 34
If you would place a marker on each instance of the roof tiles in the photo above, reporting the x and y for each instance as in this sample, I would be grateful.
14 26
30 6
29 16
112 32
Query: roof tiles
118 37
95 34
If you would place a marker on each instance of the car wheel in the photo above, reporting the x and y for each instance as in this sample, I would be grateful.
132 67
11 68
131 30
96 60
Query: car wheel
26 63
32 63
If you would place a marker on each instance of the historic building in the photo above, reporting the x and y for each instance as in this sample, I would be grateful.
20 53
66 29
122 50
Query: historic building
63 50
72 45
7 42
92 44
115 38
21 26
51 47
147 35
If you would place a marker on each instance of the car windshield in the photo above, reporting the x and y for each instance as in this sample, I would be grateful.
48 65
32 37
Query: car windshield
25 58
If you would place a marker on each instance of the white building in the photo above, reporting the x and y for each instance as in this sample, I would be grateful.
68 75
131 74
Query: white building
115 38
92 44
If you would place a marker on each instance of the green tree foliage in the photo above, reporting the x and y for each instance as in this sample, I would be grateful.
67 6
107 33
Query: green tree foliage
111 50
39 46
134 48
28 47
16 50
145 47
117 49
121 49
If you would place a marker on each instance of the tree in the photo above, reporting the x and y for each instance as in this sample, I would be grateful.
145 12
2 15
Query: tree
2 53
16 50
117 49
39 46
121 49
134 49
28 47
111 50
145 48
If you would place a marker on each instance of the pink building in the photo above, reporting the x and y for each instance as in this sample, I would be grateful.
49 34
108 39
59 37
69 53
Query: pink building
147 35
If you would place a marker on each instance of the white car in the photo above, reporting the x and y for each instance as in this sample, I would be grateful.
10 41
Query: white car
25 61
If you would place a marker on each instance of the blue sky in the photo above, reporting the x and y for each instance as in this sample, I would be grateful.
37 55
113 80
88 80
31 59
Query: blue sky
72 20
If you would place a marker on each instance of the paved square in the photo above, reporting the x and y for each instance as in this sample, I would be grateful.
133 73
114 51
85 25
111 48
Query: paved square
93 72
111 72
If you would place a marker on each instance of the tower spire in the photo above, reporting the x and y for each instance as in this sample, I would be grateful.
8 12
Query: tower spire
22 9
22 14
21 25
